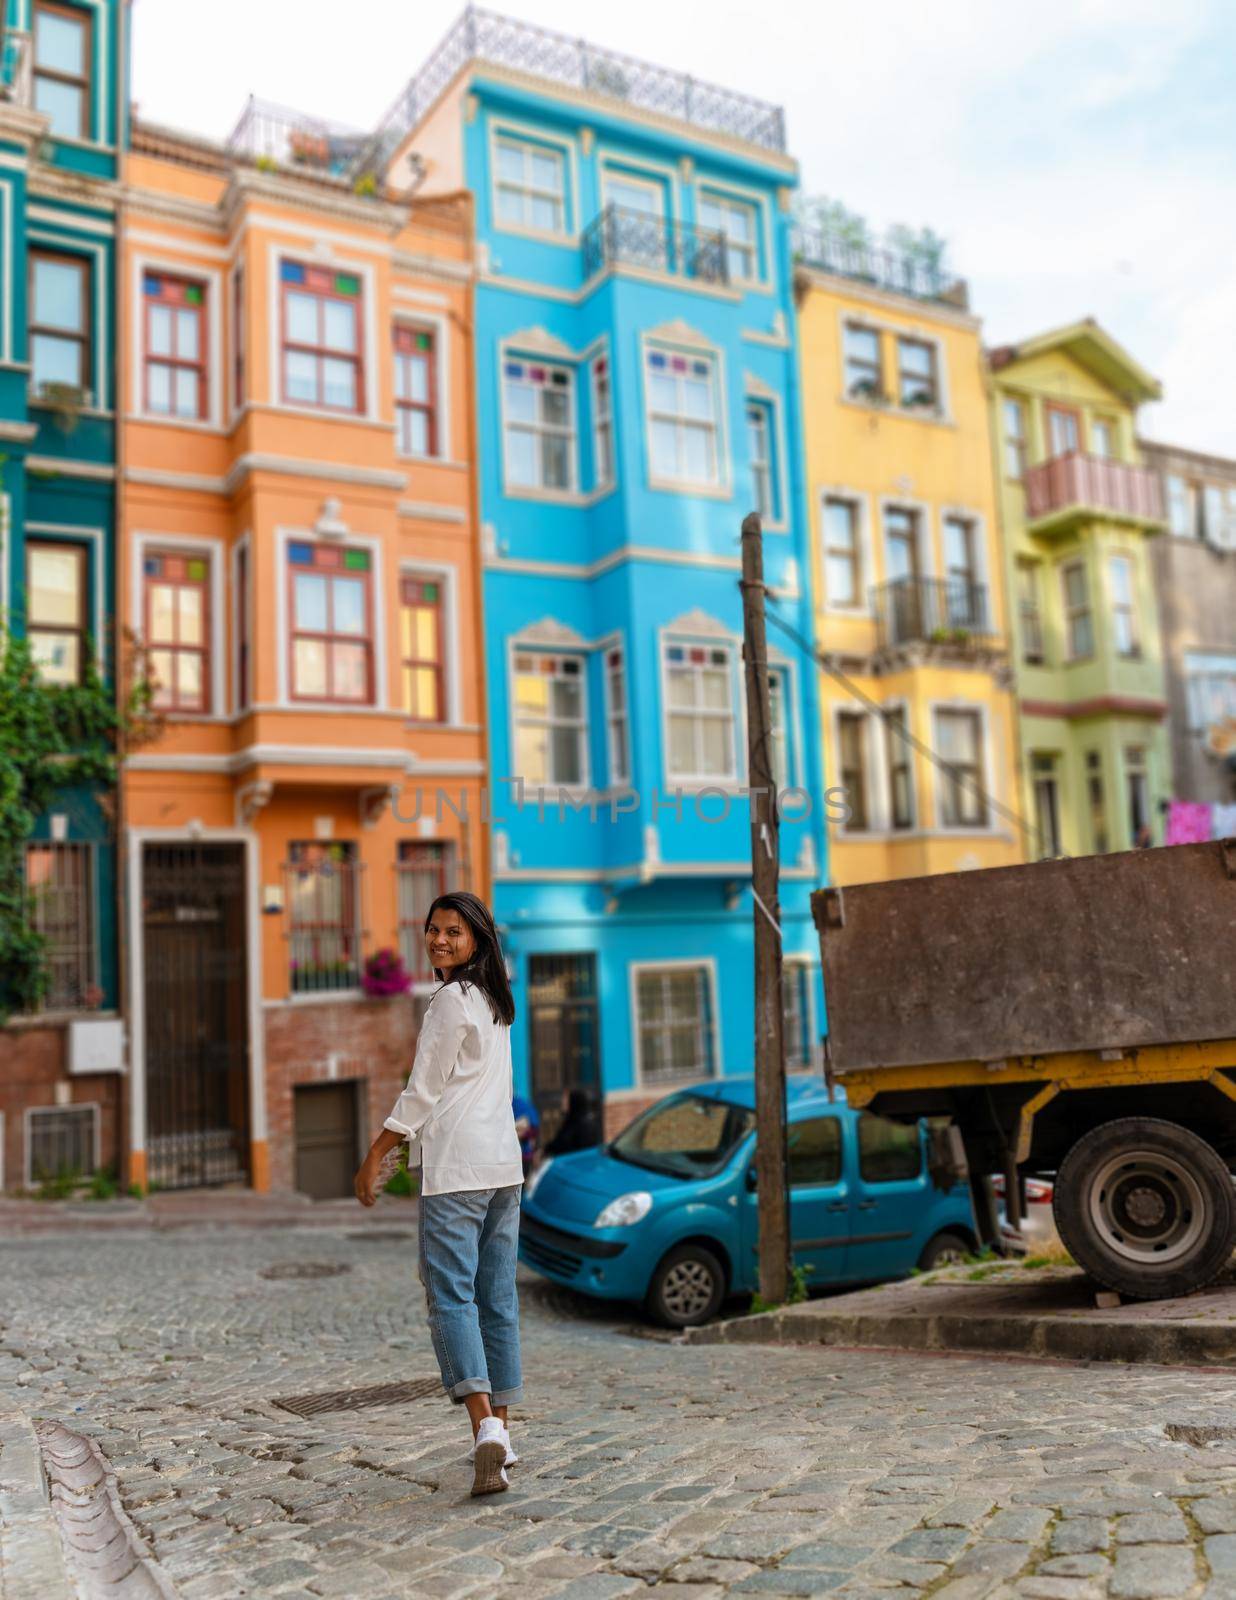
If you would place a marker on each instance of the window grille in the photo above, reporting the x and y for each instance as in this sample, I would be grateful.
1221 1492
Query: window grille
60 883
324 917
61 1140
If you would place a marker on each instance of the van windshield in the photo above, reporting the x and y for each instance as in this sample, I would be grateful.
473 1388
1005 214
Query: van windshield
689 1135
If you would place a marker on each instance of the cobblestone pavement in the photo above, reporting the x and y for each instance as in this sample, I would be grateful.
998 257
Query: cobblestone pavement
699 1471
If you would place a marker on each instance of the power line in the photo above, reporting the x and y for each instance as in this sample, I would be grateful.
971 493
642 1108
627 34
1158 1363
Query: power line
903 731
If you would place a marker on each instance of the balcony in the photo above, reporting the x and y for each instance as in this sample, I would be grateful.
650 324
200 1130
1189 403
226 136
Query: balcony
950 613
630 238
1076 488
875 264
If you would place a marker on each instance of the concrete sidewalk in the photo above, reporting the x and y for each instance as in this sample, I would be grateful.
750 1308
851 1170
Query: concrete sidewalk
197 1208
1047 1312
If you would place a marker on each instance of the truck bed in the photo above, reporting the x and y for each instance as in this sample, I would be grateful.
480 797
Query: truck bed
1093 953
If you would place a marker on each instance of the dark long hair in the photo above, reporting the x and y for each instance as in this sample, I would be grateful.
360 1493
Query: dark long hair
486 968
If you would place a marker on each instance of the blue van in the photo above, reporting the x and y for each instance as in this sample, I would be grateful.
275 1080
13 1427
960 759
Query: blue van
667 1213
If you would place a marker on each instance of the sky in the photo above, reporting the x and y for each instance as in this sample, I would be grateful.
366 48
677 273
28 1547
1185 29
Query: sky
1078 155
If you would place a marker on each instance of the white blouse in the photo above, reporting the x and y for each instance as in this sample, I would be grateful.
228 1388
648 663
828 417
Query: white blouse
458 1098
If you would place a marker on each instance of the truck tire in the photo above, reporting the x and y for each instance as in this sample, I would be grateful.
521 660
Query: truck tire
1146 1207
687 1287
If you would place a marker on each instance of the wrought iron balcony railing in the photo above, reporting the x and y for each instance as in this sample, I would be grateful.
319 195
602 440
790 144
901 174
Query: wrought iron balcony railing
1071 487
870 263
633 239
268 132
943 611
481 35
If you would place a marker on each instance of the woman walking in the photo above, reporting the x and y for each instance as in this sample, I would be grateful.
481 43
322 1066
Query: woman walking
457 1105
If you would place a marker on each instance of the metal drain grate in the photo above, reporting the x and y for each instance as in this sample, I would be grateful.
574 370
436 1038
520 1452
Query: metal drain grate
378 1394
304 1269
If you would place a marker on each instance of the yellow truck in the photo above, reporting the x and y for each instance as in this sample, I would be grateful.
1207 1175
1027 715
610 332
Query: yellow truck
1073 1019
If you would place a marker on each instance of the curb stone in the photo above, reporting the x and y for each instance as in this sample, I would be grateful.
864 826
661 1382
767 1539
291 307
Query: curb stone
31 1555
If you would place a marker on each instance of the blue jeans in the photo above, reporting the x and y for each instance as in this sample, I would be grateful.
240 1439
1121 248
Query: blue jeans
468 1246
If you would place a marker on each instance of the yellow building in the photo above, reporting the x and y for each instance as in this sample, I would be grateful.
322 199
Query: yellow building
1078 509
908 575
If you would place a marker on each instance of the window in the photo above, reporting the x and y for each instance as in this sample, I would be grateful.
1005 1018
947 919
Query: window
56 610
243 668
674 1018
778 690
901 543
1079 629
602 424
814 1151
62 57
1182 507
1124 606
616 717
1137 792
700 697
531 186
59 321
963 598
416 391
682 418
736 221
900 773
761 461
1103 437
238 338
421 648
424 870
60 1140
796 1015
1096 800
60 887
842 565
177 626
1045 778
550 719
917 381
888 1152
539 422
959 744
1214 517
1063 430
321 337
1211 686
324 931
175 375
1014 439
852 765
332 653
1030 613
864 376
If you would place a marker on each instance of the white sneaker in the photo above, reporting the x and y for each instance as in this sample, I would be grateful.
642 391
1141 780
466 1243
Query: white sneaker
511 1457
489 1458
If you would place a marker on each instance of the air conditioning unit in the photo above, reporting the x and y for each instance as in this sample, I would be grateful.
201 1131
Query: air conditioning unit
96 1044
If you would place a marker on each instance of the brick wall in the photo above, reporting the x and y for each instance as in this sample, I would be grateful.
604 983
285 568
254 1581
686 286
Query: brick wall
619 1112
372 1041
32 1063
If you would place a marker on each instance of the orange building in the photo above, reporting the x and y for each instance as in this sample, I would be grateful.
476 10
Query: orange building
298 553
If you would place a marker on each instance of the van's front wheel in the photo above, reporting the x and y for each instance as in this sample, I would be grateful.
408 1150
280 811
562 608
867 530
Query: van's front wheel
1146 1207
687 1287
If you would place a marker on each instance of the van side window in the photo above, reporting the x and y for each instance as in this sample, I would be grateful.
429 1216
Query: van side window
815 1151
888 1151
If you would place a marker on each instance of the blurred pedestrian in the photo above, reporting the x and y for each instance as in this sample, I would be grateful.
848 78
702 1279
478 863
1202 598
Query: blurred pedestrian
528 1127
581 1127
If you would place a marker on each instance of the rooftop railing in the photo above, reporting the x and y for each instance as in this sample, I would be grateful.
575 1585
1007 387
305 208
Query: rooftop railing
481 35
871 263
631 238
269 132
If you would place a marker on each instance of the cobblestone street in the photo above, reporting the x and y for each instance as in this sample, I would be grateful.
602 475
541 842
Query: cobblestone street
702 1471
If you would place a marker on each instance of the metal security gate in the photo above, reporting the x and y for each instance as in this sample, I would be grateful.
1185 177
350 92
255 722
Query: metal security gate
564 1020
197 1099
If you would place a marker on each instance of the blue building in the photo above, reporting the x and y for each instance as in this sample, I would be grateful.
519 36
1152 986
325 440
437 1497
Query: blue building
636 396
63 126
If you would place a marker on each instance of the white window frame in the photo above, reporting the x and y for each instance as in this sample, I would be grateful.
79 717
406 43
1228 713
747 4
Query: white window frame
31 1112
540 491
1112 428
614 717
186 269
718 487
552 785
936 405
755 407
613 173
979 711
1054 776
439 327
727 200
603 419
705 964
214 552
1201 668
1017 444
530 137
1132 608
685 780
857 324
1068 611
862 504
1181 497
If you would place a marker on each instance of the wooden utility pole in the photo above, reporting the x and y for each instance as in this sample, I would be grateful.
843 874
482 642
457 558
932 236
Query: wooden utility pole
765 867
